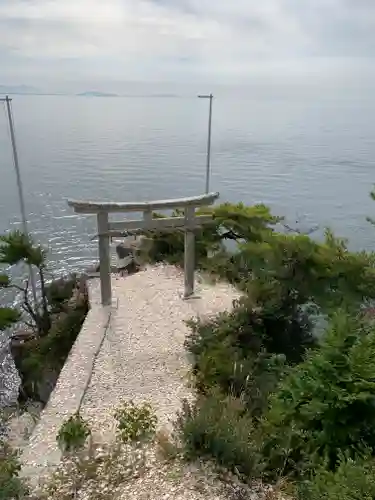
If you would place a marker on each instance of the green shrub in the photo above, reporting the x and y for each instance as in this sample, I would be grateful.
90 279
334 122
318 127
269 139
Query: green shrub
135 422
352 480
274 324
12 487
326 405
218 427
325 274
245 351
59 292
73 433
230 222
34 357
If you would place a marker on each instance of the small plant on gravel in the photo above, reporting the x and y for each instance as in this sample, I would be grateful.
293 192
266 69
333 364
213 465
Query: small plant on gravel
73 433
12 487
135 422
218 427
167 449
95 477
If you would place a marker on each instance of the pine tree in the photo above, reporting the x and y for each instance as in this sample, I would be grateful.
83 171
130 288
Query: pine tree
18 248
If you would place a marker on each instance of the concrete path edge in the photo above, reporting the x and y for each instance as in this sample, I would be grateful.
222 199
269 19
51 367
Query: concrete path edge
42 451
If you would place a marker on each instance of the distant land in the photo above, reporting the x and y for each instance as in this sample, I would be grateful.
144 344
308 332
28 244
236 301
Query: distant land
18 89
95 93
28 90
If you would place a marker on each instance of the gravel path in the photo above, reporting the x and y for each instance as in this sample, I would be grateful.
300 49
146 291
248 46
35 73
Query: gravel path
142 357
143 473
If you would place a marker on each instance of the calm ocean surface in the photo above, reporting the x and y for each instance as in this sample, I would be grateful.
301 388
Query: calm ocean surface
310 157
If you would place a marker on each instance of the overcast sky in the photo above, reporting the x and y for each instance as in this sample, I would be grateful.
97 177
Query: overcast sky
54 42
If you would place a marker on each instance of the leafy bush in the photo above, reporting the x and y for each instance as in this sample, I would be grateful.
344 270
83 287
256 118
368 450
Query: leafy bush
11 485
34 357
218 427
73 433
353 480
59 292
325 406
268 323
135 422
325 274
18 248
244 351
8 315
230 222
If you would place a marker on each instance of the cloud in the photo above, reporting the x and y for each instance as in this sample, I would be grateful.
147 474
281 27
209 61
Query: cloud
180 39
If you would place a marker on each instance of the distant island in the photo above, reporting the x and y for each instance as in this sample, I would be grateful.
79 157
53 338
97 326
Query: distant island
94 93
18 89
29 90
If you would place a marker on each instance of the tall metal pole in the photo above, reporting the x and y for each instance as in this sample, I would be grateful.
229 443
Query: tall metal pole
19 186
208 158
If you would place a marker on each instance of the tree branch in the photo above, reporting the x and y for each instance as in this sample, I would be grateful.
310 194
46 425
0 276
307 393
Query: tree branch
16 287
291 229
27 304
230 235
30 325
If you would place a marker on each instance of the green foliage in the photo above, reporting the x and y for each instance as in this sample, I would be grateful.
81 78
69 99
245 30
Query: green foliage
325 406
372 196
16 247
11 485
325 274
352 480
308 402
245 351
240 222
135 423
4 281
55 347
36 357
60 291
56 323
218 427
230 222
8 315
73 433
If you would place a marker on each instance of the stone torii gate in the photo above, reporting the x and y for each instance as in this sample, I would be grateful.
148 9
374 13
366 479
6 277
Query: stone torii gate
188 223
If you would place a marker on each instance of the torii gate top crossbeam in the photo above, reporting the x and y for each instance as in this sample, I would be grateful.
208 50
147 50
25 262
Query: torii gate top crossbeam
106 229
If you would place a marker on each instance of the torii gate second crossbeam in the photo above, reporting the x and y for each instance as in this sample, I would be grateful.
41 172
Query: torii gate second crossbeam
189 222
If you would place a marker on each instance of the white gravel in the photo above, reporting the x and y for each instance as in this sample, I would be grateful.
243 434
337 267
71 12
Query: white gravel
141 473
143 357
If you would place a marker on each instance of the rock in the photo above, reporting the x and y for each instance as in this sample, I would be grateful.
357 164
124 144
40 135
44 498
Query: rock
20 426
34 408
20 429
47 384
21 336
95 268
9 381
